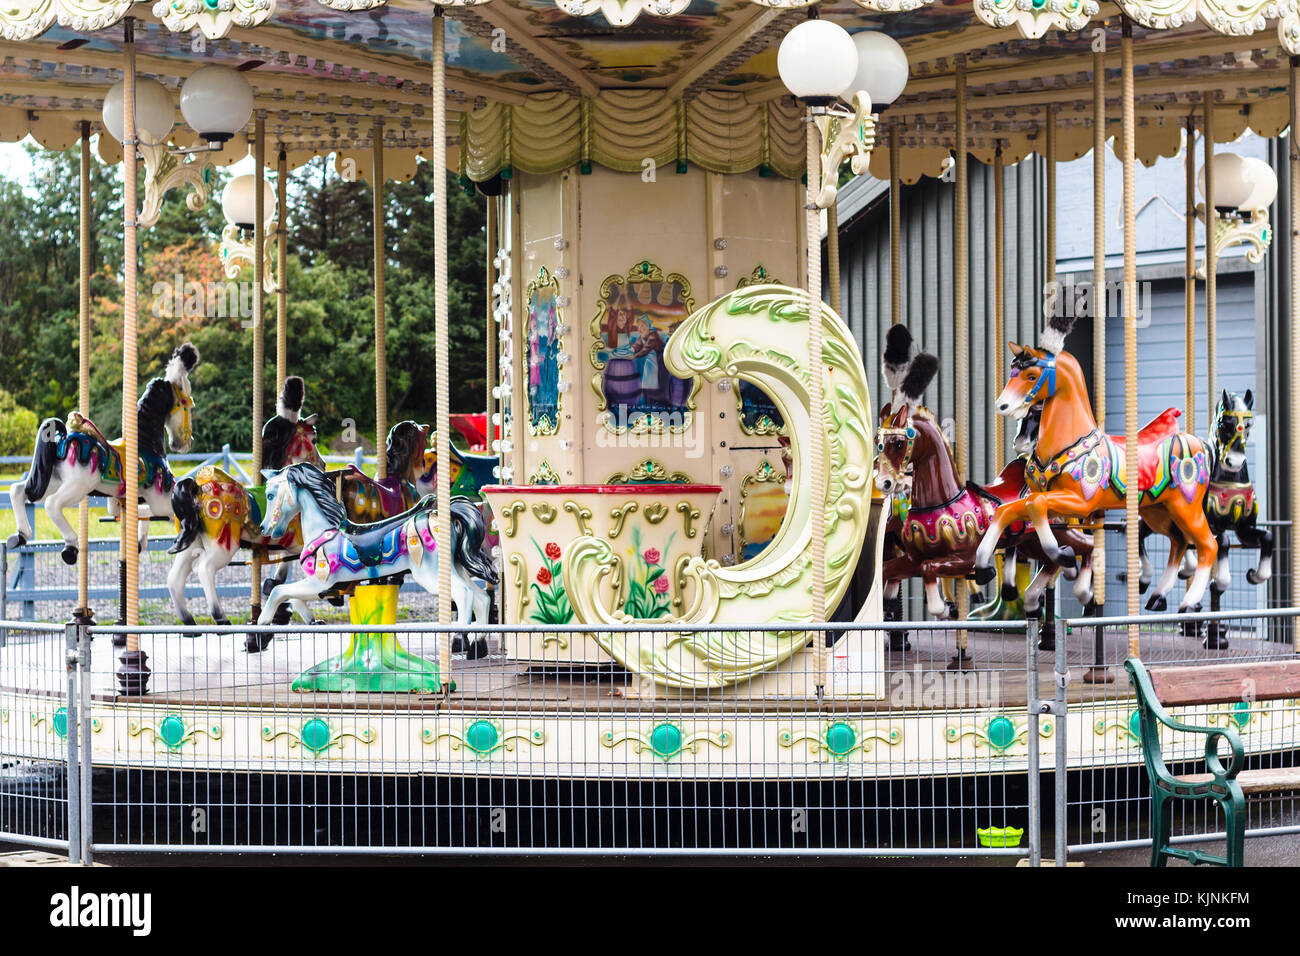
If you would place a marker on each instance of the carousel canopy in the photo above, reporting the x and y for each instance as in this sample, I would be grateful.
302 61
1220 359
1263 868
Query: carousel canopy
538 85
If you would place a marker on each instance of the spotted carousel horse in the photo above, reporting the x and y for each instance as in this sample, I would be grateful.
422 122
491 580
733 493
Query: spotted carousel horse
338 553
1230 503
1078 471
73 460
216 515
942 522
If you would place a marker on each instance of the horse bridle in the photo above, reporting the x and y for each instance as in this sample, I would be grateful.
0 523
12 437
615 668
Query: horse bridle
1238 437
908 434
184 403
1048 365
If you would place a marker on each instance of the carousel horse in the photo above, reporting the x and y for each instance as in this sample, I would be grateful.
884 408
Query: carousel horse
338 553
1077 470
944 521
469 472
1230 504
371 499
216 515
75 460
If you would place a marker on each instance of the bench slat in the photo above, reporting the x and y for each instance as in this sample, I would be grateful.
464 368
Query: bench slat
1268 780
1226 683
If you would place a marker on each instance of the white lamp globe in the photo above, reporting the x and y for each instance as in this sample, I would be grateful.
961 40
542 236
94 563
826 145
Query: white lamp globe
882 68
239 201
1232 183
154 113
1265 185
217 102
817 60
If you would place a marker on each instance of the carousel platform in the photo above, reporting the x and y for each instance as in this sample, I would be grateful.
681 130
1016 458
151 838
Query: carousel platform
214 706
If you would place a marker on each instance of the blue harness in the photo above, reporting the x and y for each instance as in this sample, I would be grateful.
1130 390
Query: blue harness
1048 365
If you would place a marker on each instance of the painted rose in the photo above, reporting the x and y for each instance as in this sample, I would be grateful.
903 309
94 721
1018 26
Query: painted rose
652 556
553 551
660 585
543 575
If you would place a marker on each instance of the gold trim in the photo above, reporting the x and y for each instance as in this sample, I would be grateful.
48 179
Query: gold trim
689 515
765 427
619 516
656 512
511 513
545 512
649 471
581 515
765 472
544 475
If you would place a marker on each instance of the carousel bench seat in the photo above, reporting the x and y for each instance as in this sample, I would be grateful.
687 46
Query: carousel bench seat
1162 687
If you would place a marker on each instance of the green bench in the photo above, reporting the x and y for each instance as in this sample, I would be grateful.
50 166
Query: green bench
1161 687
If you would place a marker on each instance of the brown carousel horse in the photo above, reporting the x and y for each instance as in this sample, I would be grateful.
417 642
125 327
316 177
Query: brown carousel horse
940 527
1077 470
373 499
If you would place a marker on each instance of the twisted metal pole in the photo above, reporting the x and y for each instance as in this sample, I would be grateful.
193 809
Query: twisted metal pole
442 370
281 270
1189 283
999 298
961 316
381 326
1211 267
895 229
816 396
83 369
1293 251
1130 332
1099 298
130 347
490 345
259 327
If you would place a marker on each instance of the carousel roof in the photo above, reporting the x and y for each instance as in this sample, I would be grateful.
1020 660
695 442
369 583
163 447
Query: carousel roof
540 85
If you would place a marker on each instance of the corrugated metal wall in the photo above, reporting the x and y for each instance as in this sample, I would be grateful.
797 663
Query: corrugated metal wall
927 302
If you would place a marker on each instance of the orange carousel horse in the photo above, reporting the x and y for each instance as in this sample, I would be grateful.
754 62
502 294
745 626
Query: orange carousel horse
1078 471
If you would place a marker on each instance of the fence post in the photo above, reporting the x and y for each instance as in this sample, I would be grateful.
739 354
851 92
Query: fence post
360 458
72 723
226 458
26 580
4 590
1061 778
87 768
1034 778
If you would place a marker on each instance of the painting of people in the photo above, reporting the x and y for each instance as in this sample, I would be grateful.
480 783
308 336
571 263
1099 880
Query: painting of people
543 343
638 314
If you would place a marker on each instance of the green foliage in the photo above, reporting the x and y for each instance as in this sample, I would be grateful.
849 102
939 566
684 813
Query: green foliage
17 426
330 318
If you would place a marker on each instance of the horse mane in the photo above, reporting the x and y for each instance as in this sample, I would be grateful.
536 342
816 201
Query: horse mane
307 477
404 439
276 435
151 416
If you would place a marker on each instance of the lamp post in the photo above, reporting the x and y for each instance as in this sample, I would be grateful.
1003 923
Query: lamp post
238 203
1237 214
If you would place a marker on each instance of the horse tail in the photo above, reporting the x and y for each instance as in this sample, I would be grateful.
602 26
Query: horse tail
45 455
185 498
468 531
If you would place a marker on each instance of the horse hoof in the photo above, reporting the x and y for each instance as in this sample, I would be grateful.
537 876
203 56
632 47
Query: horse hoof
336 600
1010 593
1157 603
1033 613
257 642
119 640
16 541
188 620
457 645
476 650
984 575
1142 586
69 554
1064 556
1071 573
1253 577
282 616
898 642
267 587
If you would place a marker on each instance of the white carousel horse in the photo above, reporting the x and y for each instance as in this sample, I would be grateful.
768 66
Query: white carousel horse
337 553
72 461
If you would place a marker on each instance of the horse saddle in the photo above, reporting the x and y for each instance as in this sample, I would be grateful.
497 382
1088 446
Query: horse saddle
372 541
1149 437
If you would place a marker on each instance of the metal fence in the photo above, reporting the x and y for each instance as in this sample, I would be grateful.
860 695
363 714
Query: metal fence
548 744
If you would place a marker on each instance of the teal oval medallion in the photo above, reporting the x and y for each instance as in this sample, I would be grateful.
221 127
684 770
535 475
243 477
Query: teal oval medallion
665 740
171 731
1241 714
840 739
61 721
1001 732
315 735
482 736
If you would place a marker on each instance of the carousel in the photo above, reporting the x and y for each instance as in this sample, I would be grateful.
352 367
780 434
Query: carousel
689 465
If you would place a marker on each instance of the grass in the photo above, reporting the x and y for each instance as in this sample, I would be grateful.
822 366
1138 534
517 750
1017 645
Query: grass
45 529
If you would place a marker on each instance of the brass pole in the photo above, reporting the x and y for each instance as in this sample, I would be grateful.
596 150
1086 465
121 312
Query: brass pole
442 369
1293 251
1130 332
895 229
130 347
1189 283
490 345
83 369
999 296
1099 297
281 270
833 257
381 328
259 329
961 312
816 397
1211 267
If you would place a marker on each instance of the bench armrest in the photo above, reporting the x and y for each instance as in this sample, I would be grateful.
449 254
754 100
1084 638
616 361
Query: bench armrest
1149 703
